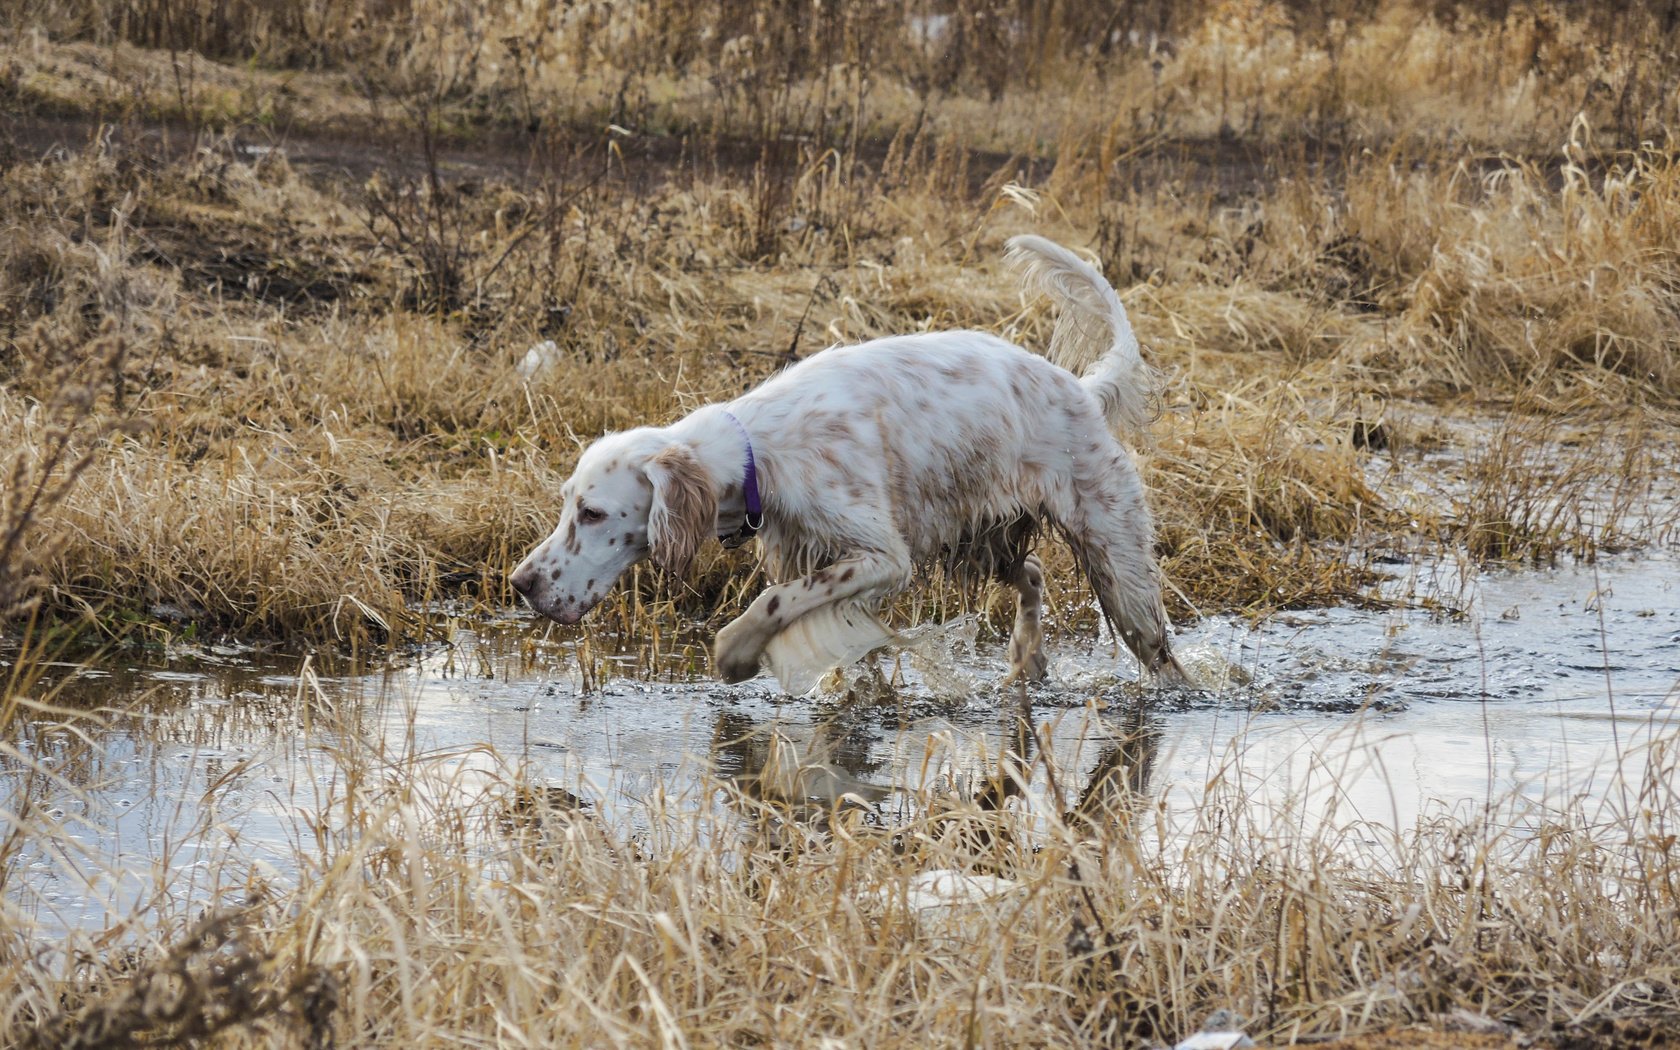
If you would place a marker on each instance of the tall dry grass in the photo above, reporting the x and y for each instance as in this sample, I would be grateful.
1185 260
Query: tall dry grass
323 338
1410 277
441 901
1492 74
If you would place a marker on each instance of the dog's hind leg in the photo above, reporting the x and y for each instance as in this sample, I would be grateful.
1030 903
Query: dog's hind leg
1026 641
1108 527
1003 552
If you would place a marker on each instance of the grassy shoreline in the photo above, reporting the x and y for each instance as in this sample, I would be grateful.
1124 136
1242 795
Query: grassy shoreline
450 896
1411 279
286 382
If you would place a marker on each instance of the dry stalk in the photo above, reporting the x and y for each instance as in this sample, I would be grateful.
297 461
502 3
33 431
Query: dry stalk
209 981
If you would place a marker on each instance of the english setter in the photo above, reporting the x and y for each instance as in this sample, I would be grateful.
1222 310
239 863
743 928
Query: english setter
861 463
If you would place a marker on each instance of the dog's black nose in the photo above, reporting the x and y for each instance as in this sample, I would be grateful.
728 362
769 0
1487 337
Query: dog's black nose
523 579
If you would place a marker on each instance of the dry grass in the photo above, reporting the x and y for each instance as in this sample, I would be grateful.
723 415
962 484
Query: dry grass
322 367
440 902
332 427
1409 274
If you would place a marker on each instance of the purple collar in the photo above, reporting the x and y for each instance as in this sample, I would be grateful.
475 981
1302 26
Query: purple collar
749 494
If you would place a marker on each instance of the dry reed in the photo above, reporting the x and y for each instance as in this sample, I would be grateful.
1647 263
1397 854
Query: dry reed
436 905
334 427
267 272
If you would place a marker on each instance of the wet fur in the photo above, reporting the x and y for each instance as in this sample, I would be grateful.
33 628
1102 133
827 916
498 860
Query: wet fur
684 508
952 448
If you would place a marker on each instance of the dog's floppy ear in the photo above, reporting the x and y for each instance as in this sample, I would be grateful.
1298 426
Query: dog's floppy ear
684 507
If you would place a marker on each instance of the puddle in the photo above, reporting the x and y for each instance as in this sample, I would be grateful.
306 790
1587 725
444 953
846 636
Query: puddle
213 768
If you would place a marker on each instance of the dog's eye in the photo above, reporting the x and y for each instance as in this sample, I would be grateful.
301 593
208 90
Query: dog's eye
591 515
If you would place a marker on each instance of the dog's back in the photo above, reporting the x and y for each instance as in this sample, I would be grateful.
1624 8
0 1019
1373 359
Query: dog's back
945 430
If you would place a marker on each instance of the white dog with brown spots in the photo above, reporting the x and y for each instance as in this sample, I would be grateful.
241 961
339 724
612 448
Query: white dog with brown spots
862 463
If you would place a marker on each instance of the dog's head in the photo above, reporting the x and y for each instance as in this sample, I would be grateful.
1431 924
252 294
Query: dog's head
634 495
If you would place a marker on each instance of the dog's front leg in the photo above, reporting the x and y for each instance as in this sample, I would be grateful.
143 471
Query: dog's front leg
740 645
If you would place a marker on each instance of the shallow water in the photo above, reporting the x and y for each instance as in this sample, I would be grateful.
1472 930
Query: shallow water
207 765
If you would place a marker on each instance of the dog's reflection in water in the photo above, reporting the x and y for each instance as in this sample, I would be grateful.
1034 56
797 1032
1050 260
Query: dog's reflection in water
827 767
794 783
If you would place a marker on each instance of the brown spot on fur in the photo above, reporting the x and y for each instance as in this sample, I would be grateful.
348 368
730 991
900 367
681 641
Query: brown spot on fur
775 603
555 575
590 585
848 574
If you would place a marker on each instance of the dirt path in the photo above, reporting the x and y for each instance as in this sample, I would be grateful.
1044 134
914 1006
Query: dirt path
1227 169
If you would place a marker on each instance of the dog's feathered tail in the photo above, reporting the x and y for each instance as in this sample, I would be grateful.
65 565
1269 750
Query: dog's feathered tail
1093 337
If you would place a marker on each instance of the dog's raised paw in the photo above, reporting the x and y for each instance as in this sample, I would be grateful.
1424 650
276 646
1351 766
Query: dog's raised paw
735 658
